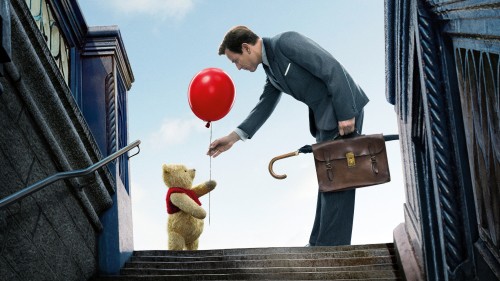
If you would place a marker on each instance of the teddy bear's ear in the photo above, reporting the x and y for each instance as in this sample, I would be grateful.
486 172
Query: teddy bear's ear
166 168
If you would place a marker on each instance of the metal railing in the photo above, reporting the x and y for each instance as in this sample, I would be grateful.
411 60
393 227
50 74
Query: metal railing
66 175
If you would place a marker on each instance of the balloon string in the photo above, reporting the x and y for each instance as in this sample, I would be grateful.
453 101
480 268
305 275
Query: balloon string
210 157
210 175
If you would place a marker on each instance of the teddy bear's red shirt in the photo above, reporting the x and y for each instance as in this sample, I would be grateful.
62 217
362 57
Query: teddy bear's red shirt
171 208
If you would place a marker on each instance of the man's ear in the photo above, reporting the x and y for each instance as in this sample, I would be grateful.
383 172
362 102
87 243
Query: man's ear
245 48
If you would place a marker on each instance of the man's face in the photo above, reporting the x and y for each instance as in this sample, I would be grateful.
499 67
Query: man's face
246 60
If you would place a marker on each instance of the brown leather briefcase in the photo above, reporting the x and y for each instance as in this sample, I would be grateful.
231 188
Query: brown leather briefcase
343 164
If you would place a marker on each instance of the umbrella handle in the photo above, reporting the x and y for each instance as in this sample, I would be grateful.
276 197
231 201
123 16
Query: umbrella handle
280 177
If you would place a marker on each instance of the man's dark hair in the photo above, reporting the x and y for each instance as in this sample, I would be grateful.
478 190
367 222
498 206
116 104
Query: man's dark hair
235 37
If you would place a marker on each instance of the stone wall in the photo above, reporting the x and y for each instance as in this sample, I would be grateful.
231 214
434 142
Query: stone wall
51 234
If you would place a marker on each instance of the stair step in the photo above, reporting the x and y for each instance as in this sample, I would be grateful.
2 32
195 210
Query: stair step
262 263
226 278
267 256
277 276
262 251
142 271
385 275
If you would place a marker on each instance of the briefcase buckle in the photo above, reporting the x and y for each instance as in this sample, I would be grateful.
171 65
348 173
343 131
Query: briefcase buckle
351 161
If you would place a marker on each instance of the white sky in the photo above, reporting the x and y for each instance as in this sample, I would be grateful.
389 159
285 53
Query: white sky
169 41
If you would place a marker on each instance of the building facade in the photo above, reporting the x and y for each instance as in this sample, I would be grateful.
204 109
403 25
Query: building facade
63 107
443 76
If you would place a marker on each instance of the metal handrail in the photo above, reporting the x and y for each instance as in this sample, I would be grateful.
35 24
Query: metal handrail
65 175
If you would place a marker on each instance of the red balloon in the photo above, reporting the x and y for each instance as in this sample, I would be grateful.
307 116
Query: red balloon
211 94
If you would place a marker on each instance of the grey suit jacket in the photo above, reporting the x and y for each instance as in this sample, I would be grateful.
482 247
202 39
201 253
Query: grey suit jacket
310 74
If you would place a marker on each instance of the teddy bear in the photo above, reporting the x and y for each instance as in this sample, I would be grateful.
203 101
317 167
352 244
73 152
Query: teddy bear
185 214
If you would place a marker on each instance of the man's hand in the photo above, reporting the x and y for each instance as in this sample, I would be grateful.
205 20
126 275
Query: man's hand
223 144
347 126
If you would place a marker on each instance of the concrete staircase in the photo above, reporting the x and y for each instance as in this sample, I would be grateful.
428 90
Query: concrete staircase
359 262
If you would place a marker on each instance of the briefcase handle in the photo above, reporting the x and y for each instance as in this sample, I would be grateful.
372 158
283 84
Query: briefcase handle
349 136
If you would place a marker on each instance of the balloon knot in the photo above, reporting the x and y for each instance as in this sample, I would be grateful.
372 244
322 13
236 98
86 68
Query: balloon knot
208 124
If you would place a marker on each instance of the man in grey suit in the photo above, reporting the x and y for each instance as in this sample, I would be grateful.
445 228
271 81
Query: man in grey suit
298 66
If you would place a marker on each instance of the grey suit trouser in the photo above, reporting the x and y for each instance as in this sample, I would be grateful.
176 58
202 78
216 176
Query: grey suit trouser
334 210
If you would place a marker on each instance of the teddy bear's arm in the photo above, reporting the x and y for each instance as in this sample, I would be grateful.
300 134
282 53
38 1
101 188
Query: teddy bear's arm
204 188
187 205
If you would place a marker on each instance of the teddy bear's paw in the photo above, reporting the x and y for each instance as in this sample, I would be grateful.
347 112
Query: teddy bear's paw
200 213
211 184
